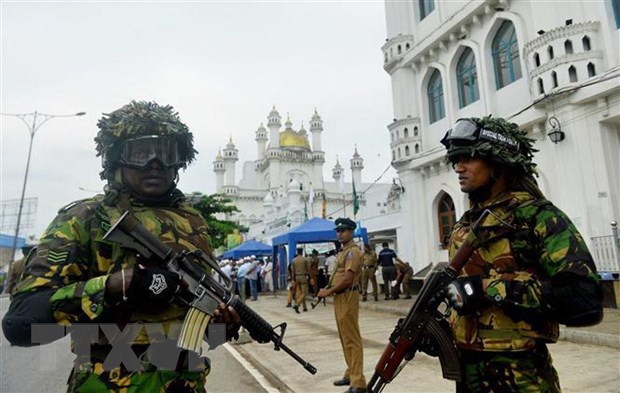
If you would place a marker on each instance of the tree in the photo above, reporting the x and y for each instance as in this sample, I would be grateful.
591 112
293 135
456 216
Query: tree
209 207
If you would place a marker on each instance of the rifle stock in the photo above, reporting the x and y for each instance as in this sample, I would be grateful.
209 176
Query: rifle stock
204 293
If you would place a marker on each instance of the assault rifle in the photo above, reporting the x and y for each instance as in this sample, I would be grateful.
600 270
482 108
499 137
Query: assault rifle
204 293
425 327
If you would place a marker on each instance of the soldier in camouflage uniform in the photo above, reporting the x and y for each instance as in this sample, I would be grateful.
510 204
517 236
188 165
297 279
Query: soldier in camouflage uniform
530 269
76 278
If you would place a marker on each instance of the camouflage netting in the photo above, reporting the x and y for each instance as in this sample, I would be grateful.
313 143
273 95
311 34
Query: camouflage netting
136 119
520 158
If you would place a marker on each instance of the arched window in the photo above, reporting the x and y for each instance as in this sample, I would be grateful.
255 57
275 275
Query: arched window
415 131
435 97
385 57
541 86
407 152
416 149
536 59
572 74
407 46
392 136
505 51
400 49
446 219
426 7
568 47
591 70
467 78
554 79
393 155
550 52
406 132
586 43
399 155
616 8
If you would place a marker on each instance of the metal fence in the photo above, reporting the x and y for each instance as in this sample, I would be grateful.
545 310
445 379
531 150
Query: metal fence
605 252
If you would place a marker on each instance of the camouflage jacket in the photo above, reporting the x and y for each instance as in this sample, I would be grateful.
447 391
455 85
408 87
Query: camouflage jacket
543 243
73 259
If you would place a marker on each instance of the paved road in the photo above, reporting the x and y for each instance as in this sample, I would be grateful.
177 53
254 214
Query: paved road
45 369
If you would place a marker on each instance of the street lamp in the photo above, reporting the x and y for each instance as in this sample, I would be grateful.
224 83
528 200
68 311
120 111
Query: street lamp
42 118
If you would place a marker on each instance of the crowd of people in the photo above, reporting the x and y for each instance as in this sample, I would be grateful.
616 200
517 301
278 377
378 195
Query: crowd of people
250 275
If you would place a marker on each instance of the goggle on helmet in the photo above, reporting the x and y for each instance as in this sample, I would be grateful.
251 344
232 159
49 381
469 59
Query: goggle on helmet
466 132
139 152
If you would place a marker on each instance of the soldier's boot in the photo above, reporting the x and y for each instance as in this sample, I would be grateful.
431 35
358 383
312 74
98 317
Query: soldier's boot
296 308
376 298
288 305
364 298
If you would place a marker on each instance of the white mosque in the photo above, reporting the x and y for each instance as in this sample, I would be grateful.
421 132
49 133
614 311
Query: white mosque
285 185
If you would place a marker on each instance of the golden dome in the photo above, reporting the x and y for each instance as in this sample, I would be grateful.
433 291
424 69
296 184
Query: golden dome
294 140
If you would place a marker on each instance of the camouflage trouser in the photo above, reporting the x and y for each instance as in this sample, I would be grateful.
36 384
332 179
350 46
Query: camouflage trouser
528 371
92 378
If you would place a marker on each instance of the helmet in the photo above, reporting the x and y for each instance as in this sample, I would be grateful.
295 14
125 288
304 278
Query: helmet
154 130
493 138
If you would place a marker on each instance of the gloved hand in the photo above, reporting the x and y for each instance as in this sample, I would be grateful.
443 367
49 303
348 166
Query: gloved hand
228 317
466 295
152 287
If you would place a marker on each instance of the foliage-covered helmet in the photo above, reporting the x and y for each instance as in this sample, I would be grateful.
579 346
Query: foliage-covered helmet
492 138
146 121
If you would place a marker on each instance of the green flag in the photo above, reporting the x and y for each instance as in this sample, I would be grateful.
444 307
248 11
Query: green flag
356 202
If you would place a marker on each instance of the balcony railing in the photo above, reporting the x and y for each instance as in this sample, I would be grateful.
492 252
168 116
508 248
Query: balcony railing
605 253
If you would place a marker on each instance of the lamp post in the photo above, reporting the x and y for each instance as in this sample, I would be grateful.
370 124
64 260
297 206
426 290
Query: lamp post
33 121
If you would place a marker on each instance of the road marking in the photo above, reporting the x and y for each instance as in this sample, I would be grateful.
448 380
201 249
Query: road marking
251 369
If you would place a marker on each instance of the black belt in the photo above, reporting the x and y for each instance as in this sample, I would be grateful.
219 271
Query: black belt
353 288
369 267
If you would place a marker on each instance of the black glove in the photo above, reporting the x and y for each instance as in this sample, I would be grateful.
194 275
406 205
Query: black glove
465 295
152 287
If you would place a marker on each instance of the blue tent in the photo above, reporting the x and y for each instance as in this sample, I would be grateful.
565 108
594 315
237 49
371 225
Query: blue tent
251 247
6 241
315 230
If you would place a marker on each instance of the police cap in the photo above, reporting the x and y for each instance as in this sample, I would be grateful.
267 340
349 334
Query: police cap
345 223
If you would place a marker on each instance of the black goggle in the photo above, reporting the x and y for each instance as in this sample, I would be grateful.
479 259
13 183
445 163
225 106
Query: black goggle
139 152
466 132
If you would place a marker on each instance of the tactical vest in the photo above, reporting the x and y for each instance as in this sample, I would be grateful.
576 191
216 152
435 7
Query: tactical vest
506 254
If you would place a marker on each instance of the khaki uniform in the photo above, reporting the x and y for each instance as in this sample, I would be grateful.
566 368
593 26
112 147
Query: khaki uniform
368 273
15 272
404 273
314 274
346 309
301 268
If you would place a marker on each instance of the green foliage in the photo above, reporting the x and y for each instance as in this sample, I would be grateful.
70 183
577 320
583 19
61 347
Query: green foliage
209 207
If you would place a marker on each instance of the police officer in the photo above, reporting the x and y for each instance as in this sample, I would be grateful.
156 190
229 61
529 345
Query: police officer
368 273
530 269
301 268
343 285
77 278
314 272
388 270
404 272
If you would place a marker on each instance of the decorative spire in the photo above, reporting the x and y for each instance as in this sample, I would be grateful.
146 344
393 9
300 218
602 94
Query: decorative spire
219 154
356 154
230 144
288 124
302 130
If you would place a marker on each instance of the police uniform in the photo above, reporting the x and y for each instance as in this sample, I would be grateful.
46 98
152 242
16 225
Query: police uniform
314 273
369 268
301 267
405 272
346 309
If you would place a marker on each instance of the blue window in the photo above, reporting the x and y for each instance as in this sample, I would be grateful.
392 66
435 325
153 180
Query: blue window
467 78
615 5
426 7
435 97
505 50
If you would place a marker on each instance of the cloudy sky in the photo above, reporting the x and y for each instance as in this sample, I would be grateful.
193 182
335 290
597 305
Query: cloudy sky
222 65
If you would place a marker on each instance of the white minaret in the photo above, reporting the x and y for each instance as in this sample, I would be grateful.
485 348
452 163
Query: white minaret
274 124
261 140
316 128
357 164
231 155
219 168
337 171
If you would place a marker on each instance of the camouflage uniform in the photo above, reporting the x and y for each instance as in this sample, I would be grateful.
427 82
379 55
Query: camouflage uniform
503 346
73 260
73 263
